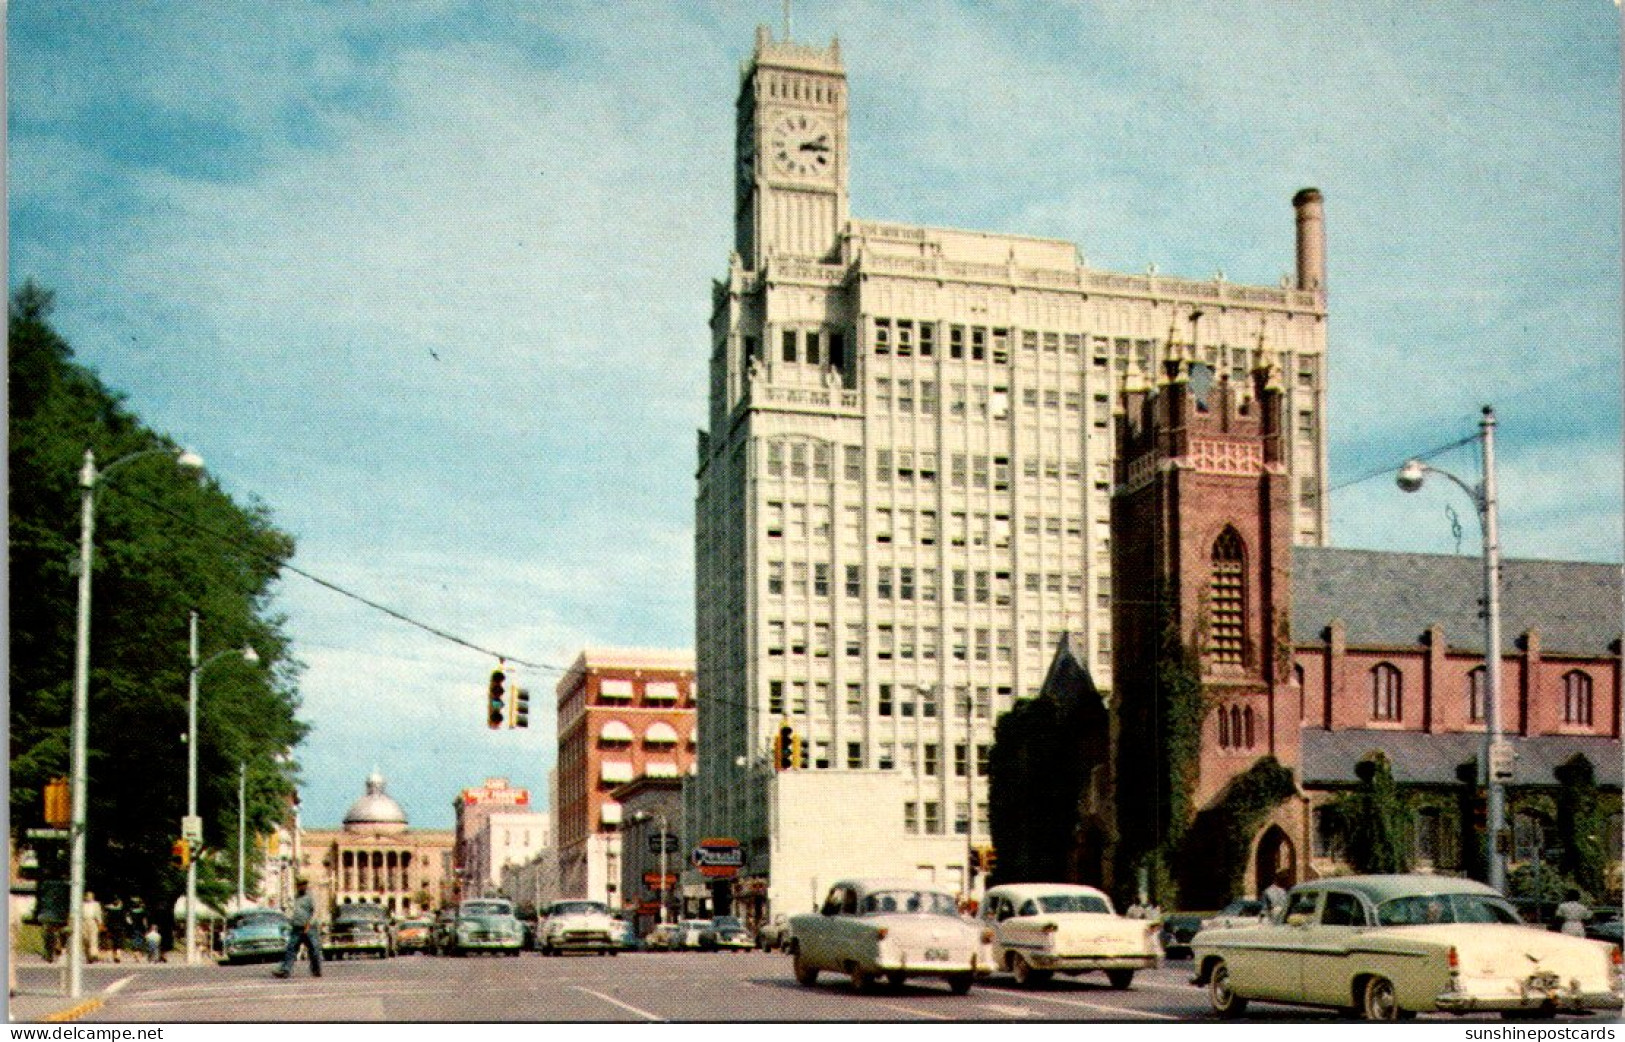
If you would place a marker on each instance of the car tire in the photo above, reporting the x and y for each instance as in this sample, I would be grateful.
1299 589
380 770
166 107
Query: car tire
1224 1000
1026 976
960 983
806 973
895 981
1120 979
861 978
1380 1004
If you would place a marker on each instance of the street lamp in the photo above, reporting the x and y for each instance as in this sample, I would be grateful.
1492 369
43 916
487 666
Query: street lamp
192 827
79 725
1497 765
665 830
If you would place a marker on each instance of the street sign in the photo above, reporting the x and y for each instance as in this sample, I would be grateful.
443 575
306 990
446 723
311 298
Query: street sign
1501 760
718 858
47 833
652 881
662 843
192 827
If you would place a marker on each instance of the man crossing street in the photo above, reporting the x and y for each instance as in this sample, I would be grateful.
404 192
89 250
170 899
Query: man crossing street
302 920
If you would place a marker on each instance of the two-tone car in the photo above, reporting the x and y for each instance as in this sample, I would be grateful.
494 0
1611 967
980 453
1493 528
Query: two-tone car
1387 947
414 935
359 928
254 934
578 926
1040 929
887 928
484 925
725 933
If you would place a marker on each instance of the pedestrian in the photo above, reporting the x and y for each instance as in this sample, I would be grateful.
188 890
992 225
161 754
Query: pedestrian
1274 898
90 926
154 941
303 931
113 915
1574 913
135 923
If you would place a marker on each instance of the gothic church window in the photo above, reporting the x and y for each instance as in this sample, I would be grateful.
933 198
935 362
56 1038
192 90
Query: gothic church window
1475 695
1387 693
1227 637
1577 698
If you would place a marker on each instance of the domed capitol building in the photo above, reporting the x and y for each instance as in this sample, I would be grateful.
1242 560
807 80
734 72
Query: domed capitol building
377 858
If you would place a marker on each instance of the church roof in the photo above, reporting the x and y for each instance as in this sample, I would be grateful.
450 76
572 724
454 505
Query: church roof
1329 757
1390 599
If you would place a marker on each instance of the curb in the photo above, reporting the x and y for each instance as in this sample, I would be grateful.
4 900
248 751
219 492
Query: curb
73 1012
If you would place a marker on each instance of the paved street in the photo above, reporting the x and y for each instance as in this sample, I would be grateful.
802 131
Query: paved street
630 988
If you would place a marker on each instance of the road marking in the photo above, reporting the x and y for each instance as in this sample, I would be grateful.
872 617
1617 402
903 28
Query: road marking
645 1014
911 1011
1121 1010
118 985
1006 1011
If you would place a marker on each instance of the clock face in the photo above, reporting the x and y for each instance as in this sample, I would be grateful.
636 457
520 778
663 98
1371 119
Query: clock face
803 145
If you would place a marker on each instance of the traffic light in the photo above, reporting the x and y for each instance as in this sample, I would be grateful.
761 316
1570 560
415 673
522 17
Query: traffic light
521 707
990 857
975 860
180 853
784 748
799 755
498 708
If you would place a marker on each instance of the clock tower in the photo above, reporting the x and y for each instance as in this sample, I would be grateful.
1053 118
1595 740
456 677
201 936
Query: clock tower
792 151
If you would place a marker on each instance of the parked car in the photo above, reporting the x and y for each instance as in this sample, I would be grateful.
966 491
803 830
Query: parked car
687 935
725 933
1041 929
254 934
414 935
662 938
359 928
577 926
1177 930
626 935
440 937
896 928
484 924
1243 911
773 934
1389 947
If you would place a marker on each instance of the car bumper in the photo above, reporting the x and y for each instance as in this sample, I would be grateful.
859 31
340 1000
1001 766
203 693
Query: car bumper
1079 963
583 944
250 949
1529 998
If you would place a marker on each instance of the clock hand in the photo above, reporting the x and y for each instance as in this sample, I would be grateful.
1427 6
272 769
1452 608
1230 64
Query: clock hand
814 146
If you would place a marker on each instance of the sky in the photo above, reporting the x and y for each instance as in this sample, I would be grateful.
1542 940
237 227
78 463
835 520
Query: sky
431 280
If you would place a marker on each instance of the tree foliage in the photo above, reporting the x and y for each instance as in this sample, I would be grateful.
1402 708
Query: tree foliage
1582 825
1218 847
1032 825
1375 819
166 544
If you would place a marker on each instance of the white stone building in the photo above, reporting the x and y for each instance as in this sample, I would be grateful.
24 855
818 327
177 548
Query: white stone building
504 839
904 487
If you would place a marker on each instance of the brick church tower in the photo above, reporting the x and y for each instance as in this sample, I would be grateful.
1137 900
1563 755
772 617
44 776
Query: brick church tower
1201 528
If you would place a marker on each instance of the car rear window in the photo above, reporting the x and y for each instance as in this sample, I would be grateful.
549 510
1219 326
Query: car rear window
919 902
485 908
1428 909
1073 903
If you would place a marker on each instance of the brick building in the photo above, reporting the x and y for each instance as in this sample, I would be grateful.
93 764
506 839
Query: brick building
623 714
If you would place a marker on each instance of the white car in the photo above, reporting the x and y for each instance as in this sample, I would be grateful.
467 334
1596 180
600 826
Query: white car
1041 929
891 928
578 926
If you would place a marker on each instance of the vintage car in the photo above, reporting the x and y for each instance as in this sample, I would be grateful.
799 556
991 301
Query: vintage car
1041 929
414 935
687 935
359 928
254 934
773 934
484 924
1243 911
662 938
895 928
578 926
725 933
1389 947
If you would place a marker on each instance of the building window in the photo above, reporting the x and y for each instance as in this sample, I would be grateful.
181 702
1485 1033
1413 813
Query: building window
854 462
775 697
884 705
886 760
933 819
821 579
812 348
1475 695
854 700
930 759
1227 637
854 755
1434 844
1577 698
1328 837
1387 693
775 577
911 818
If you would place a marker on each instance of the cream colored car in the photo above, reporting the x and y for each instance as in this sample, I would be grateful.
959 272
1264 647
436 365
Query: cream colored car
1389 947
1040 929
890 928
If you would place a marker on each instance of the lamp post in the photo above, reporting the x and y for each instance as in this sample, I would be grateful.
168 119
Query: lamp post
79 726
242 825
192 827
1497 758
665 830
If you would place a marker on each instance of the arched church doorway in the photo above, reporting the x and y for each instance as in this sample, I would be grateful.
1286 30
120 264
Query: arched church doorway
1275 861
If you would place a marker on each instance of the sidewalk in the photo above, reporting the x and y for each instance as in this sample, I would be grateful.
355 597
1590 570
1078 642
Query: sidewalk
39 997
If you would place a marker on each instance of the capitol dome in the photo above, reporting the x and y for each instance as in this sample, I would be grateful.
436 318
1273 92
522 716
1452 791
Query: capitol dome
376 811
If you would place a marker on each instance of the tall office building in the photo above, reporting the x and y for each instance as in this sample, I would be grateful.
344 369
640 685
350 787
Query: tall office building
904 489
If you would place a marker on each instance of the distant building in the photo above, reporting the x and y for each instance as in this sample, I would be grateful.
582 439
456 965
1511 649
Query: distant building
623 714
472 807
503 840
376 858
648 806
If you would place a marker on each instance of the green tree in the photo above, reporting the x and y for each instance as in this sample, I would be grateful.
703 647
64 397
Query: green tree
165 545
1581 825
1375 819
